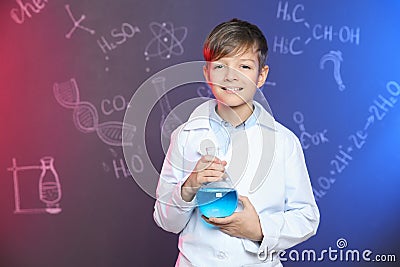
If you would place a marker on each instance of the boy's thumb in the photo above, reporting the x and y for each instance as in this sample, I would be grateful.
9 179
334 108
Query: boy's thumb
245 201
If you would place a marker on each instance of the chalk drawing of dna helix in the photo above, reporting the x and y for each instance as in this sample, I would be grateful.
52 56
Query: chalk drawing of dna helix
86 119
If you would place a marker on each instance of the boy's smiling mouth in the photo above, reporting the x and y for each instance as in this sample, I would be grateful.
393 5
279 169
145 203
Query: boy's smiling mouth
232 89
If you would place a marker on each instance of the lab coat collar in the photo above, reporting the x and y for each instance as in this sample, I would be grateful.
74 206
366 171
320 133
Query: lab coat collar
200 117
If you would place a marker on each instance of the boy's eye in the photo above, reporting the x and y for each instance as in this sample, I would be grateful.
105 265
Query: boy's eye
218 66
246 67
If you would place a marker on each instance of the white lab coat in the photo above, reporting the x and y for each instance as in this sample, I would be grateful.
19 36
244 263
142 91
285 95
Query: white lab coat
283 200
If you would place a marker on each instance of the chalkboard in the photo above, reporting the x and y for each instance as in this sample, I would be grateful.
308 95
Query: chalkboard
69 70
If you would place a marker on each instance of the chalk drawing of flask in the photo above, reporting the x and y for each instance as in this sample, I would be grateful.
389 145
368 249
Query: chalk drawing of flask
169 121
49 186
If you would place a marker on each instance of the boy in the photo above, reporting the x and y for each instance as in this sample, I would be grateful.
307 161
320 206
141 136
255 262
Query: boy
263 157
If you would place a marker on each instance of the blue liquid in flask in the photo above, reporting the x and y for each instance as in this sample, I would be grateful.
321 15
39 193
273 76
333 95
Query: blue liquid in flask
217 202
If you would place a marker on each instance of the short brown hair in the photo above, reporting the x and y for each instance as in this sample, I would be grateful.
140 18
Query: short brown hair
233 37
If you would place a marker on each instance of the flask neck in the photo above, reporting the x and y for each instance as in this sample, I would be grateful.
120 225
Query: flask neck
47 163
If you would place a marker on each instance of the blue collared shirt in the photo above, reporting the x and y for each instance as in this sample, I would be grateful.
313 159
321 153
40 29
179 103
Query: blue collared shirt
223 129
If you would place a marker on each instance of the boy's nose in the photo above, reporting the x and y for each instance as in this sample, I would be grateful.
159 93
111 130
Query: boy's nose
231 74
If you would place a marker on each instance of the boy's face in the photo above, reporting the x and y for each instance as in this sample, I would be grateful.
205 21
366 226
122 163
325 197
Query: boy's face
235 79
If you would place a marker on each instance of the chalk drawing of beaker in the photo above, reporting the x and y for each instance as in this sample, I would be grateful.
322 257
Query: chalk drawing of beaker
45 178
169 121
49 186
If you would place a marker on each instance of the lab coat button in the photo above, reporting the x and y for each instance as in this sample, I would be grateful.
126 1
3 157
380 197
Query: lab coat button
221 255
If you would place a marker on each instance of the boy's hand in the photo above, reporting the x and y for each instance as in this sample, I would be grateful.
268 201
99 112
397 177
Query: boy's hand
208 169
243 224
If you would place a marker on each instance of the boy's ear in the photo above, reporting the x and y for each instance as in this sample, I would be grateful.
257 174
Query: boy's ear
262 77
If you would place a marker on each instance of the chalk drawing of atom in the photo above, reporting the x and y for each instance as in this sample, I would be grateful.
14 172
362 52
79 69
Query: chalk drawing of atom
167 40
